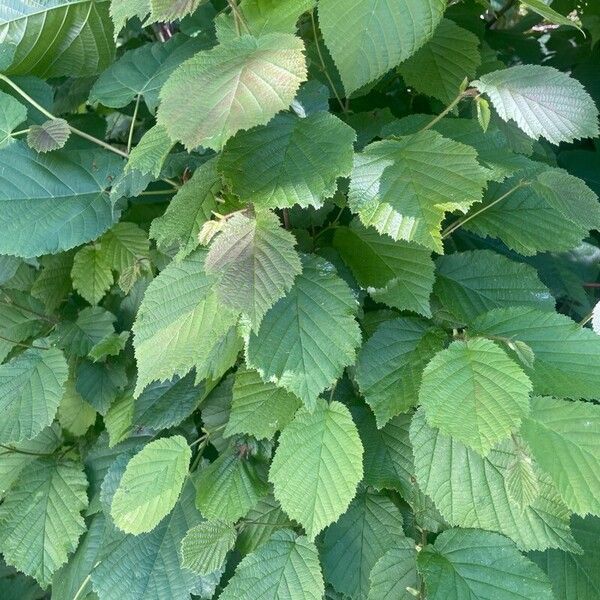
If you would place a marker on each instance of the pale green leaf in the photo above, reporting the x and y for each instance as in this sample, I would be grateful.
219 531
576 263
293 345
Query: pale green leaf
171 10
230 486
443 467
479 565
471 283
144 70
543 101
154 557
403 187
91 273
290 161
40 521
118 419
522 482
256 262
442 64
74 414
259 409
367 38
31 386
180 324
549 14
564 438
390 363
151 485
309 336
235 86
575 576
12 112
474 392
317 466
286 567
53 202
124 246
123 10
50 135
188 210
355 542
395 572
397 273
58 37
567 357
112 345
150 153
205 547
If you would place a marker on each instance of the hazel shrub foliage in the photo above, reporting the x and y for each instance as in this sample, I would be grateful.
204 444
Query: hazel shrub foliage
297 300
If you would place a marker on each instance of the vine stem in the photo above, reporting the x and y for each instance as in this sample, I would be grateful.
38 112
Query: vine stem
17 451
470 93
48 114
323 66
133 119
457 224
586 319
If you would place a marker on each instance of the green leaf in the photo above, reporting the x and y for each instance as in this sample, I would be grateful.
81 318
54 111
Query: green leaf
100 383
259 409
143 71
309 336
151 485
442 64
31 386
205 547
91 273
567 357
188 210
123 10
522 482
549 13
479 565
574 576
403 187
255 260
443 465
150 153
75 415
77 338
179 306
40 521
53 202
12 113
50 135
313 480
474 392
163 405
290 161
543 101
264 16
13 463
58 37
397 273
564 438
395 572
230 486
154 557
237 85
124 245
112 345
17 323
286 566
54 281
471 283
171 10
389 365
353 544
369 37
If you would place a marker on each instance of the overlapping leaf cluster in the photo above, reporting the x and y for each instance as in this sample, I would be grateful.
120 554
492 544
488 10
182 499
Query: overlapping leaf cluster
294 300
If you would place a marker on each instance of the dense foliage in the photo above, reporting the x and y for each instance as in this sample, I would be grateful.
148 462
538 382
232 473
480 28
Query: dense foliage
297 299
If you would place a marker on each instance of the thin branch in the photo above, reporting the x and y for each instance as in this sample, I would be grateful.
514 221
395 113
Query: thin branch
323 66
17 451
23 345
497 16
454 226
470 93
30 311
133 119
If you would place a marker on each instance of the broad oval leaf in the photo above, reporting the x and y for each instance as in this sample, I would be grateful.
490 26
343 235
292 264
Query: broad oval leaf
317 466
395 572
543 101
309 336
237 85
151 485
367 38
204 548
